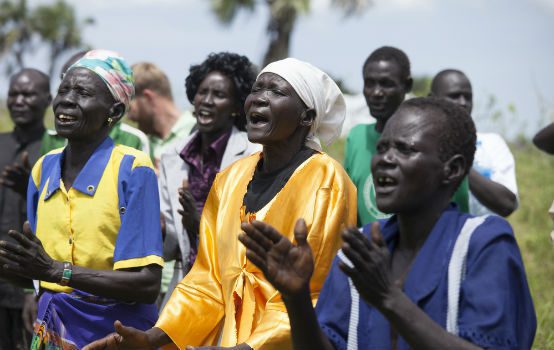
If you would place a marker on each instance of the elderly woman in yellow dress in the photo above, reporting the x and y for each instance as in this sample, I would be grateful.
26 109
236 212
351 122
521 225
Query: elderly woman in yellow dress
225 302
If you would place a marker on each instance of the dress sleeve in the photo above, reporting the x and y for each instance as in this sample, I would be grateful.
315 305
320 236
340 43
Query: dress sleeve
193 313
496 309
335 207
139 240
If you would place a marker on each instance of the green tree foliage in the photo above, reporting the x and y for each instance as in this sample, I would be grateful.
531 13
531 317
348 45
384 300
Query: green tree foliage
282 18
23 30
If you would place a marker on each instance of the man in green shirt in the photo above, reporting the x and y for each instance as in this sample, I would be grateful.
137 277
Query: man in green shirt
155 112
387 80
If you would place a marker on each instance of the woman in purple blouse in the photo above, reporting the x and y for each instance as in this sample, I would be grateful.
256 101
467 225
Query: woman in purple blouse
217 88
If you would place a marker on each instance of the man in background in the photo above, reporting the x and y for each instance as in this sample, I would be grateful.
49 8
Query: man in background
28 98
492 179
154 110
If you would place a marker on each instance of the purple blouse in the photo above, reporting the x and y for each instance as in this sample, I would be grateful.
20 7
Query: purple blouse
203 168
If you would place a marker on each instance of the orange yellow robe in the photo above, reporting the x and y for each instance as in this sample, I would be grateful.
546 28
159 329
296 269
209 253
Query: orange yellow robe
225 296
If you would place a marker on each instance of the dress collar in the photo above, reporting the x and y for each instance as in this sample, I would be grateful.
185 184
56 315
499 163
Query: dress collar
432 260
89 177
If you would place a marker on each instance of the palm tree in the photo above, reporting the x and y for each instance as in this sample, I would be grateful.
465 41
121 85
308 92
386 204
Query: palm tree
283 15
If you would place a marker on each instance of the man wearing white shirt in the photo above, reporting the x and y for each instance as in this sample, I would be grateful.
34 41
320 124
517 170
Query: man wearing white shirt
492 180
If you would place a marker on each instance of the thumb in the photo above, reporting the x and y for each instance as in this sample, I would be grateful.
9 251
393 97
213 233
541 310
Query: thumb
25 160
28 232
185 184
123 330
300 232
376 235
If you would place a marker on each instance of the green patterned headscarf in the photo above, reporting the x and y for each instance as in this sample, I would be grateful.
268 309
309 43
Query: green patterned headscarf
113 70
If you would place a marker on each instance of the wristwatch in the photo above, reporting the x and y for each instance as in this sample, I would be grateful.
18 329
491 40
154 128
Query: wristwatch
67 272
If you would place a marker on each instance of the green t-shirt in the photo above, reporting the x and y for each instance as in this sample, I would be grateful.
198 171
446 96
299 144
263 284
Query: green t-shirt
121 134
360 147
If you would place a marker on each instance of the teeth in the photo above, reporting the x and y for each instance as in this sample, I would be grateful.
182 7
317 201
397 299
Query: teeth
66 118
385 180
204 113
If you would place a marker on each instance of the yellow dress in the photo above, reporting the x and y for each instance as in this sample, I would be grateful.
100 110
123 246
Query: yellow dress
225 297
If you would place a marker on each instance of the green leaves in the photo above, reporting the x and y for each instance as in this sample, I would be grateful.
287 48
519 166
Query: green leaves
22 30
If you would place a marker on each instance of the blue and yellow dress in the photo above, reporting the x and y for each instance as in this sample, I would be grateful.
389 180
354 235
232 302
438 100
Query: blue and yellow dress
108 220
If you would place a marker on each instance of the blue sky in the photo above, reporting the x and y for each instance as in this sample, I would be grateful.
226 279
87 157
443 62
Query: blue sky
506 47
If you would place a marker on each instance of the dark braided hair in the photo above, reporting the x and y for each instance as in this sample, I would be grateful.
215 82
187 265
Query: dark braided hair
455 128
389 53
236 67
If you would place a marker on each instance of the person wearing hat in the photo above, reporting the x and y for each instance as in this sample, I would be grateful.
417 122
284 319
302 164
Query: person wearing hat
225 301
96 251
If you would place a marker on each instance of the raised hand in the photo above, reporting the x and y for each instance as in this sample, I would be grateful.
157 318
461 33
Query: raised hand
16 176
124 338
189 215
288 267
28 258
371 273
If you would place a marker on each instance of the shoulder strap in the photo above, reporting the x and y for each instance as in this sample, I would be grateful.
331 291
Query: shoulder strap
352 339
457 269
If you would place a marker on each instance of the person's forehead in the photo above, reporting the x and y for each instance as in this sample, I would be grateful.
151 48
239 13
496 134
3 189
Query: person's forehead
454 82
383 68
27 81
413 123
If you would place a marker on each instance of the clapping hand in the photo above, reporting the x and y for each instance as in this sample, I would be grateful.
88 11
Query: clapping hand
242 346
371 273
124 338
288 267
16 176
28 258
189 215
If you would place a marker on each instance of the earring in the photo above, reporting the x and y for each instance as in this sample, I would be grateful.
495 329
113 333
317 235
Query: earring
110 121
234 114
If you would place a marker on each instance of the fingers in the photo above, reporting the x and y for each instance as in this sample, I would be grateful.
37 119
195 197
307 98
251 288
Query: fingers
268 231
301 232
21 238
254 252
185 185
124 331
257 235
376 235
25 160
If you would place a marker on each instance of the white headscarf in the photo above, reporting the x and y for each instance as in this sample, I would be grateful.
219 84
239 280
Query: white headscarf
319 92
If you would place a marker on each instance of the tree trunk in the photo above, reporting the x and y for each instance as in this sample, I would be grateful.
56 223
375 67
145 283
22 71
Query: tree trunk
279 29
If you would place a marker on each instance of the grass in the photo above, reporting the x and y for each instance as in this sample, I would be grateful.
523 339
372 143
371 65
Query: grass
531 225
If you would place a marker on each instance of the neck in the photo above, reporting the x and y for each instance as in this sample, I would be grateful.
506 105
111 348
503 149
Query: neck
278 155
28 133
167 115
380 125
416 226
77 153
207 139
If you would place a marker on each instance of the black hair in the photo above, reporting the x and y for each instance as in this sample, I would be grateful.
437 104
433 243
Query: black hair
45 79
455 127
236 67
389 53
440 75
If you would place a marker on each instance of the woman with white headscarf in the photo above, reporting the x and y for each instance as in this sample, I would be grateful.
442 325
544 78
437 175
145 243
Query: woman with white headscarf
225 301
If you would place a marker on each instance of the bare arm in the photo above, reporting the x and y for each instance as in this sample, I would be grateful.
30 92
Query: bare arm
544 139
289 269
28 259
491 194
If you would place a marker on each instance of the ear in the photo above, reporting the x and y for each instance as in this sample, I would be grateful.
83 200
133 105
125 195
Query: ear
454 170
409 83
117 111
149 95
307 118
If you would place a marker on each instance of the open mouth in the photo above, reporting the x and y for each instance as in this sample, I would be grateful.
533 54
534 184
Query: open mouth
204 117
257 119
386 181
66 119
